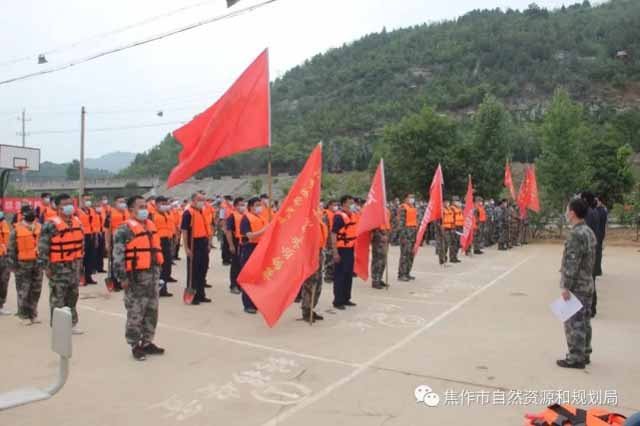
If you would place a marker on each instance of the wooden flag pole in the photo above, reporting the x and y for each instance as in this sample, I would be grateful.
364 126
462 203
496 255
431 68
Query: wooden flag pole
313 299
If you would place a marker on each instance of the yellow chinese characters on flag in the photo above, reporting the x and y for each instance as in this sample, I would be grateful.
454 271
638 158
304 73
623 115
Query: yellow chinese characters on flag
287 253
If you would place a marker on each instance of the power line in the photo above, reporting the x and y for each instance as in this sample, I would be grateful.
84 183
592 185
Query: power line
140 42
105 34
107 129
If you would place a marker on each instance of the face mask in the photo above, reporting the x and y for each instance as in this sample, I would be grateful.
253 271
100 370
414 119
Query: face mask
68 210
88 203
105 202
412 200
265 202
121 206
200 205
46 200
143 214
1 215
242 209
98 209
165 208
334 208
353 208
30 217
258 209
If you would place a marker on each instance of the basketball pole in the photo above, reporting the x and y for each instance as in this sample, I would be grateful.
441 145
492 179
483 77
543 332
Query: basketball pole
82 131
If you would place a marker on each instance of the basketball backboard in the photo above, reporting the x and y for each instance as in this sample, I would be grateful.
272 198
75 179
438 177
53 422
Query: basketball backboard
19 158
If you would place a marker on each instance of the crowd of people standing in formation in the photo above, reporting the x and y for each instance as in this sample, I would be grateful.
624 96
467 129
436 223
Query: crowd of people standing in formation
136 242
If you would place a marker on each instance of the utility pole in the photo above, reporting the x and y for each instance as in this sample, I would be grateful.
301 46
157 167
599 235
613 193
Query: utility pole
82 129
23 134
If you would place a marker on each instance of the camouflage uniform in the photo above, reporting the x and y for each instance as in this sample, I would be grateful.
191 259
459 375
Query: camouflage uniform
576 276
395 231
329 266
65 276
441 241
508 216
407 241
28 280
489 225
379 249
478 233
502 227
312 286
515 227
524 231
452 244
141 294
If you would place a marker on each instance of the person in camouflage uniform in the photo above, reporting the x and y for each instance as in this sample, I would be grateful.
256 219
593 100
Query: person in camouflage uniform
514 232
379 248
22 259
312 287
441 241
490 208
141 281
64 277
395 231
524 230
502 212
5 274
407 223
576 278
327 219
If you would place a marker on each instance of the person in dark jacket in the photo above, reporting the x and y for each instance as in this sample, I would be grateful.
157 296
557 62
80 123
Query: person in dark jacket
594 221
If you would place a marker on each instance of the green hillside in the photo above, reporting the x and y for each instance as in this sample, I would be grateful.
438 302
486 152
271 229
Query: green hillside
346 96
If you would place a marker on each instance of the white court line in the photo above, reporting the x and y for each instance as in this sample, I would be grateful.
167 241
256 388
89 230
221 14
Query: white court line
232 340
365 366
421 301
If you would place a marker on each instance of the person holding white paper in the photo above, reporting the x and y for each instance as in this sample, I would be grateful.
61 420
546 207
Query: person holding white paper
577 279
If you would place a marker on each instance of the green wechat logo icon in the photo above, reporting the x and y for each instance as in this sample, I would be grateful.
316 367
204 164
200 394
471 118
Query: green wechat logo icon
426 395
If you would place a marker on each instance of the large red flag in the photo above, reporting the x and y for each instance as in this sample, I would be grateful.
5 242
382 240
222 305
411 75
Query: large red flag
434 208
534 200
238 121
508 180
469 219
374 215
288 252
524 194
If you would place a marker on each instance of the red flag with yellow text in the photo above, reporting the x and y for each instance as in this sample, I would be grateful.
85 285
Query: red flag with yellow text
238 121
508 180
288 252
469 219
534 200
524 194
434 208
373 216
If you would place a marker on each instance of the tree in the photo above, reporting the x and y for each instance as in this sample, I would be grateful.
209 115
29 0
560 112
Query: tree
491 146
563 166
73 170
256 185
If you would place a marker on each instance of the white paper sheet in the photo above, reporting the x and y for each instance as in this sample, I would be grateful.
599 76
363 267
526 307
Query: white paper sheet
563 310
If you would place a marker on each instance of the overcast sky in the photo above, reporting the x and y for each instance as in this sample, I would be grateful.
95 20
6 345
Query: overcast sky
180 75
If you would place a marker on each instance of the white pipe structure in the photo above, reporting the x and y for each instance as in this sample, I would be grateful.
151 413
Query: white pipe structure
60 344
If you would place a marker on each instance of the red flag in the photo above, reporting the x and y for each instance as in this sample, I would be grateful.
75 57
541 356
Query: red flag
524 194
508 180
238 121
469 219
534 200
288 252
374 215
434 208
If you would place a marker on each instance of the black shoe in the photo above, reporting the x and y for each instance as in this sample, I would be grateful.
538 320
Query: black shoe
177 258
251 311
328 281
587 361
90 281
152 349
478 252
378 286
298 299
101 271
165 294
235 290
404 279
456 261
172 280
317 316
350 303
567 364
138 353
195 302
204 300
207 286
173 263
339 307
226 263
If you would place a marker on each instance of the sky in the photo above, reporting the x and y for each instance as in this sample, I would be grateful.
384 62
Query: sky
180 75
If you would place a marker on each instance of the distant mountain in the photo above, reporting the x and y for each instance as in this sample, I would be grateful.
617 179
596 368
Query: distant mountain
112 162
53 171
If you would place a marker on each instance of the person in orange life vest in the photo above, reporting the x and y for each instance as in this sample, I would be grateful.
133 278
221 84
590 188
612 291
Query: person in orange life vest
151 206
196 235
251 229
379 248
329 214
46 211
226 209
176 211
233 237
343 236
60 255
408 227
17 217
312 287
5 273
22 258
101 211
267 212
481 219
166 229
116 216
89 220
458 228
208 213
137 259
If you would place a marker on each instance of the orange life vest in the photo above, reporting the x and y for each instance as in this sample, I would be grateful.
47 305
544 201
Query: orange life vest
482 214
267 213
164 224
117 218
87 220
568 415
208 212
346 236
228 209
66 245
448 219
176 215
151 207
199 228
458 216
237 219
256 223
27 241
330 215
47 214
387 223
144 244
4 237
324 234
411 218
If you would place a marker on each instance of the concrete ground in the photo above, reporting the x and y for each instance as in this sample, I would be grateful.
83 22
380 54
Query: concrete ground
479 334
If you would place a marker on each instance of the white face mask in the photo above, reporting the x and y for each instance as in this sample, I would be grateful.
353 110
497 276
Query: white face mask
88 203
241 209
412 201
334 208
99 209
258 209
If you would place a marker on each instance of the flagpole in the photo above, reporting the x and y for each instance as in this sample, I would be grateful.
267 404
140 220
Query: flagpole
387 220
